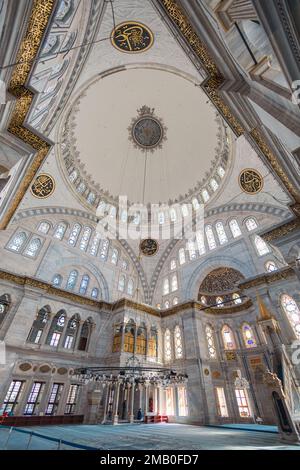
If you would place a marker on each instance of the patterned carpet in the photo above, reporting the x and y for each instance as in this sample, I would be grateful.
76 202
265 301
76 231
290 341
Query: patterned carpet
144 437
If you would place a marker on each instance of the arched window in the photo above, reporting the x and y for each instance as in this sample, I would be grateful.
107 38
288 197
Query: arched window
161 218
181 254
173 215
73 176
84 284
249 338
228 338
203 300
185 210
56 329
39 325
114 256
141 340
129 337
130 287
137 218
167 304
74 234
71 333
18 241
178 342
200 243
85 335
175 301
104 249
44 227
81 188
236 298
152 343
251 224
173 264
214 184
112 212
122 282
124 265
221 233
91 198
95 293
210 237
271 266
210 342
168 346
117 340
60 231
95 244
86 235
195 203
261 246
5 301
192 250
235 228
219 302
221 171
205 195
174 283
33 248
72 279
166 286
57 280
292 311
158 306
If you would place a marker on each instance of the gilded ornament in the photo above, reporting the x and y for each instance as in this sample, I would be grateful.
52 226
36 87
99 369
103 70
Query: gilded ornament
43 186
132 37
149 247
251 181
147 131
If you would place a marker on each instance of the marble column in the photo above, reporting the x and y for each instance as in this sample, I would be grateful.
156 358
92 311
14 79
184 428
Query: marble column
116 403
131 416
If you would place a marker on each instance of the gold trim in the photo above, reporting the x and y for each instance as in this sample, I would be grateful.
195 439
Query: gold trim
259 175
212 85
279 275
136 23
281 231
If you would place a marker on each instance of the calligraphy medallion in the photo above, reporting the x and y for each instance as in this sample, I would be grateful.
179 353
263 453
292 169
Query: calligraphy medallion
251 181
132 37
147 131
149 247
43 186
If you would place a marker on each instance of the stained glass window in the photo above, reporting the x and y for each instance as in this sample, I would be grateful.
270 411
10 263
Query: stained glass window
17 241
235 228
174 283
166 286
130 287
161 218
249 339
91 198
104 249
60 231
242 402
57 280
214 184
200 243
175 301
44 227
261 246
81 188
271 266
72 280
221 402
185 210
114 256
205 195
210 237
292 311
122 282
181 255
84 284
203 300
221 233
95 244
219 302
74 234
228 338
236 298
168 346
251 224
167 304
178 342
210 342
33 247
173 215
85 238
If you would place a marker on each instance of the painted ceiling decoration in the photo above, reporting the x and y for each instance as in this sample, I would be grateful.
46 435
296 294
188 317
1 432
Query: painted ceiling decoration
147 131
221 280
251 181
132 37
43 186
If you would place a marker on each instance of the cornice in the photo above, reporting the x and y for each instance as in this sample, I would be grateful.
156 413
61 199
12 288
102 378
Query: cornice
281 231
268 278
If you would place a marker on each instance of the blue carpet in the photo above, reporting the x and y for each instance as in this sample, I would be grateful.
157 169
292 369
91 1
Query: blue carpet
248 427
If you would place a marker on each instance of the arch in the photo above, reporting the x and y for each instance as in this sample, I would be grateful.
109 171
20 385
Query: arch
228 338
56 329
60 230
57 280
33 248
85 280
72 279
71 332
292 311
210 341
250 223
248 336
85 335
39 324
167 345
17 241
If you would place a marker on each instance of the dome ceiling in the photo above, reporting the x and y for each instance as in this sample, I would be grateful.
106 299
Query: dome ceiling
142 124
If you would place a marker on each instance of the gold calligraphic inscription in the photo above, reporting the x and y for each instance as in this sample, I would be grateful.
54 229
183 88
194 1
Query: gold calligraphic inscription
251 181
132 37
230 356
149 247
43 186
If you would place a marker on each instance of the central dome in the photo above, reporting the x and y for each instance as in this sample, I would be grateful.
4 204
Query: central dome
117 118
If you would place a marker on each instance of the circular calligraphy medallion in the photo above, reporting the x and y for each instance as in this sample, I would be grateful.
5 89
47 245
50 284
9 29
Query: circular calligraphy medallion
147 132
251 181
43 186
149 247
132 37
